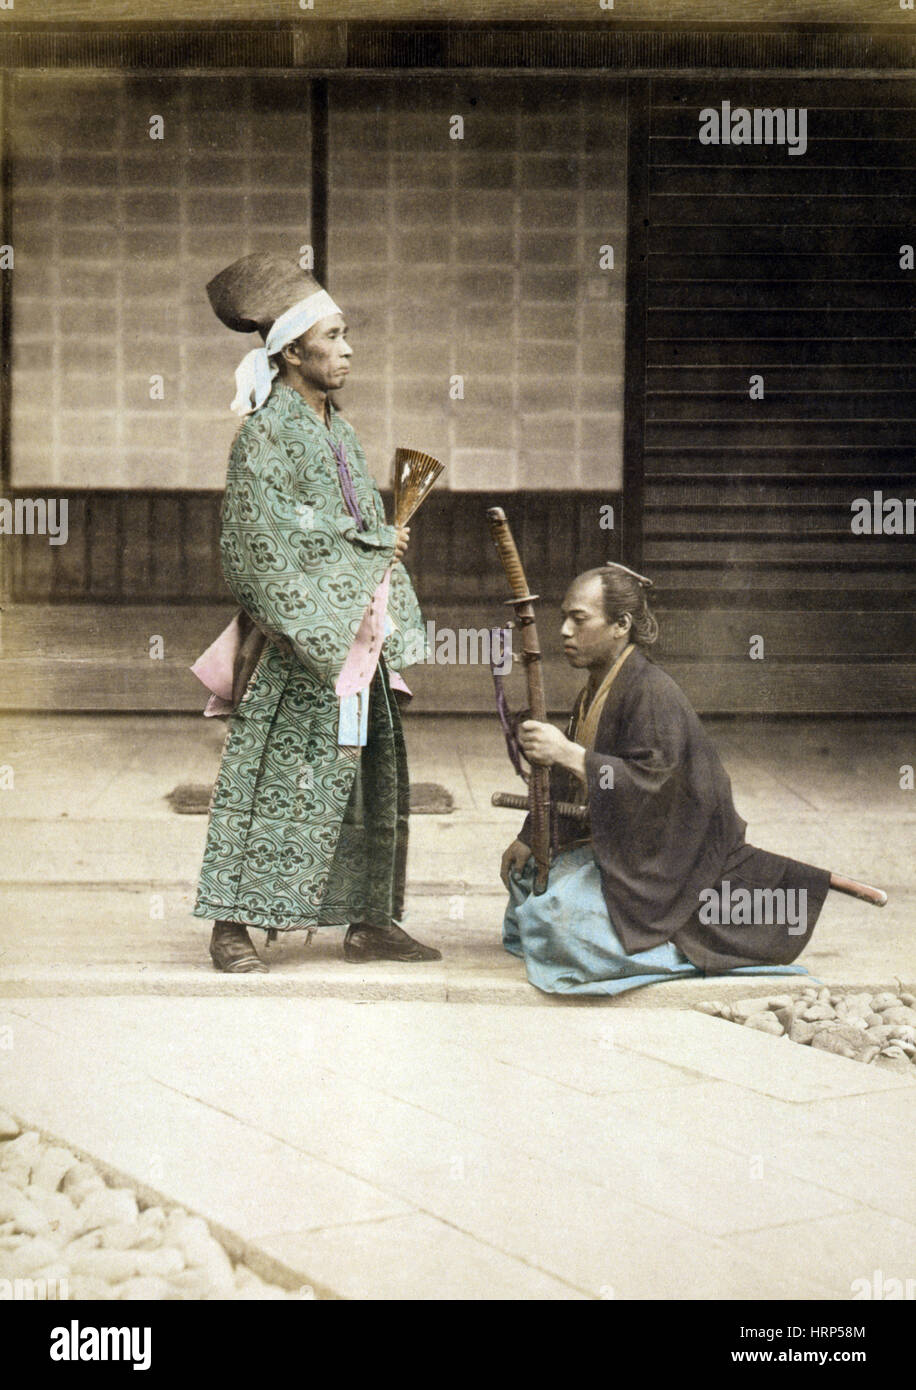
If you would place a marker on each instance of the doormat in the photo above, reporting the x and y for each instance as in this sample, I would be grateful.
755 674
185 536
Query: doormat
190 799
429 799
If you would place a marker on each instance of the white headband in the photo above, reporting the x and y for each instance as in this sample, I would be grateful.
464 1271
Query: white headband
255 373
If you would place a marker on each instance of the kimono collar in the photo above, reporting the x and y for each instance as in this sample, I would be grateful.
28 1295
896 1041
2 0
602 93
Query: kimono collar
289 400
587 725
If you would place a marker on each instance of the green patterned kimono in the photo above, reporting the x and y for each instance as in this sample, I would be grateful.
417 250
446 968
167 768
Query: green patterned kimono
304 832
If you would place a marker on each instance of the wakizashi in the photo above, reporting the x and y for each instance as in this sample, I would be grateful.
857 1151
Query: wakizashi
759 126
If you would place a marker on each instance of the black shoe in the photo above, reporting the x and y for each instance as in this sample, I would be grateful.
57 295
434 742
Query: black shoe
363 942
232 952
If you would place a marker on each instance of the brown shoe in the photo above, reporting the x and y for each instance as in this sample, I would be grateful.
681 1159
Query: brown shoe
232 952
363 942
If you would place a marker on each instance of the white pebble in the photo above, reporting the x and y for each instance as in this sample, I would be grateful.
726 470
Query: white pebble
109 1206
193 1238
90 1241
79 1173
899 1014
52 1167
16 1174
165 1262
191 1283
816 1012
32 1255
25 1148
25 1215
111 1265
743 1008
56 1278
144 1287
765 1023
86 1187
61 1214
87 1287
219 1269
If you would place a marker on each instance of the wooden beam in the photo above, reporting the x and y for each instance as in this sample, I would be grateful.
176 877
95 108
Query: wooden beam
639 96
319 209
731 12
603 48
353 47
6 344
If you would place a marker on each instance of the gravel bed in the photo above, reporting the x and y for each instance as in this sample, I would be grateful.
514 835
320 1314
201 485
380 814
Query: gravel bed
65 1233
878 1029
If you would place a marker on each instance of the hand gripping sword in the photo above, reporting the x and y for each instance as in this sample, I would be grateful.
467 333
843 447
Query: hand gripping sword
523 603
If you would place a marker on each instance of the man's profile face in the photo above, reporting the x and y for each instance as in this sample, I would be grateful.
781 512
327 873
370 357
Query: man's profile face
324 354
589 640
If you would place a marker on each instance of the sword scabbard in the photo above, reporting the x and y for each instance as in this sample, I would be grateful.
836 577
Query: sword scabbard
523 602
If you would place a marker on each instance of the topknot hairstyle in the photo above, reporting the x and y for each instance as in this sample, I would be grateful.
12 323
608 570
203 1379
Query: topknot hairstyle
625 593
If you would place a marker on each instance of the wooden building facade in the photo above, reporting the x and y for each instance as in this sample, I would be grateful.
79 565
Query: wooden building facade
727 385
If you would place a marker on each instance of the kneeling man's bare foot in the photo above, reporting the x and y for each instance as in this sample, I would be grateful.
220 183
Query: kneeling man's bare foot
364 942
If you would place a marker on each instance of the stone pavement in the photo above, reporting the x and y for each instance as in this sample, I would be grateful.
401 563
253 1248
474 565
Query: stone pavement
394 1132
97 872
413 1150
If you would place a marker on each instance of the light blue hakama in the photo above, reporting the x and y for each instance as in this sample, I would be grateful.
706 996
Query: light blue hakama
568 943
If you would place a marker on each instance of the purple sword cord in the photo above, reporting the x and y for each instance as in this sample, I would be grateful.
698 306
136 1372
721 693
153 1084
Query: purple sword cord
497 660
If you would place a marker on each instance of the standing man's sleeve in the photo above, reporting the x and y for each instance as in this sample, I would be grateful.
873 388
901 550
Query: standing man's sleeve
292 555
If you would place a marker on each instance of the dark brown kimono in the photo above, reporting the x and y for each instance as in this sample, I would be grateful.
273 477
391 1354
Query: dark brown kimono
667 829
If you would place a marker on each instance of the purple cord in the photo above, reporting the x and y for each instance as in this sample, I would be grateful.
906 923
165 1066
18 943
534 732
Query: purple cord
497 659
346 486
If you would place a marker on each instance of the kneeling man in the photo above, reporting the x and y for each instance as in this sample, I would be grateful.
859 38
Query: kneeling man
657 882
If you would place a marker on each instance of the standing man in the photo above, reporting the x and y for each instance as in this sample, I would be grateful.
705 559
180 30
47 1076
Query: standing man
308 821
643 889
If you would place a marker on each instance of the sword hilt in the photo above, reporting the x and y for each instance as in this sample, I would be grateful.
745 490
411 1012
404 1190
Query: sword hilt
512 802
508 554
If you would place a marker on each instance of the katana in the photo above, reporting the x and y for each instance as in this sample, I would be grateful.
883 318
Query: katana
571 810
523 602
